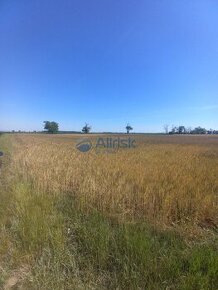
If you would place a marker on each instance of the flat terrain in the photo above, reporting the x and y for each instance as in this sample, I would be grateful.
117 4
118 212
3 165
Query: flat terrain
136 218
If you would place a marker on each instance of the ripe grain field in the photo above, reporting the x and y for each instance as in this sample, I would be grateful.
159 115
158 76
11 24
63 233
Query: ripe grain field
140 218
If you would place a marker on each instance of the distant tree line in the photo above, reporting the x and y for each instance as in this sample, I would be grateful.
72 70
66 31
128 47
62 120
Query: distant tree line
188 130
52 127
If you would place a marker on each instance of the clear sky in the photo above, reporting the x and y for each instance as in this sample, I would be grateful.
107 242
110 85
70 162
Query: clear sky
108 62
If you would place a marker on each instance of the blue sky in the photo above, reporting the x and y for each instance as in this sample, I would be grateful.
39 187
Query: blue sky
108 62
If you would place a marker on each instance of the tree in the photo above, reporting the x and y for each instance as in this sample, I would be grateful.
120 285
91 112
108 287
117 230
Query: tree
86 129
211 131
178 130
181 130
128 128
199 130
51 127
166 128
189 130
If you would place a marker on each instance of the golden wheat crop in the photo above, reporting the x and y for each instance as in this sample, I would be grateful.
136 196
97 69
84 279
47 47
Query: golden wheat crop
165 179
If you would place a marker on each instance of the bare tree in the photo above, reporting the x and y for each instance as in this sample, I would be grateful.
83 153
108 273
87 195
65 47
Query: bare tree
86 129
166 128
188 130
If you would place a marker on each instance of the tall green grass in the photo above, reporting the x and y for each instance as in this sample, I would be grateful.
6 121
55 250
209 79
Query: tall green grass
136 256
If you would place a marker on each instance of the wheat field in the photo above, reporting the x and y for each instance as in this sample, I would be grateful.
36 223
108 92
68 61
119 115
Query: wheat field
168 183
164 179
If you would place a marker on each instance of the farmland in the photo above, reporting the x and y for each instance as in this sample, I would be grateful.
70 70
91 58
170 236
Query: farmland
140 218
